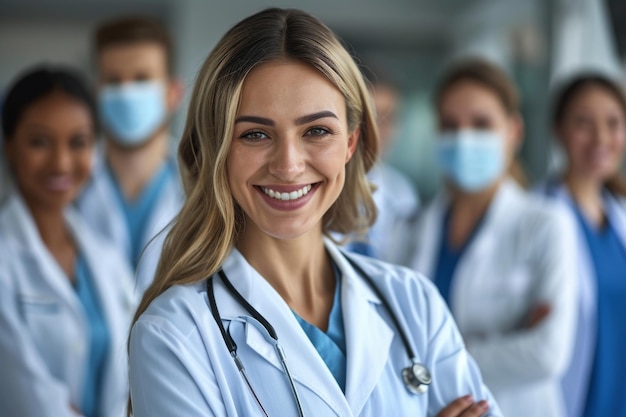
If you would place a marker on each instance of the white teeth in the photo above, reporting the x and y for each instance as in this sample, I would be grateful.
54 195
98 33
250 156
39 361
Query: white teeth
293 195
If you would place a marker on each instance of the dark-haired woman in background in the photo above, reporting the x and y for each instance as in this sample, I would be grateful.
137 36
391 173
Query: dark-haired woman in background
64 299
500 256
590 124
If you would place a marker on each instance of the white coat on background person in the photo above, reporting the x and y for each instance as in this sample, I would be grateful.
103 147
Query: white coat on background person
521 257
176 347
576 379
395 197
43 334
99 206
397 205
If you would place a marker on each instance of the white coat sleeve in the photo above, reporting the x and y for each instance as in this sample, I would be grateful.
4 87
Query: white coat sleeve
454 372
165 378
27 389
530 354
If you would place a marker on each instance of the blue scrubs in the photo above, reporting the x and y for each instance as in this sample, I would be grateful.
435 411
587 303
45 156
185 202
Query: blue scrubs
98 335
449 257
138 212
607 388
331 345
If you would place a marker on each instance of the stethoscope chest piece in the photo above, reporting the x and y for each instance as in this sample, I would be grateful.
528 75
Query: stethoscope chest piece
417 378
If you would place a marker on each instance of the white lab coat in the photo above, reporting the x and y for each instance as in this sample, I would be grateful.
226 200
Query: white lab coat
179 364
397 205
576 379
99 206
43 336
520 257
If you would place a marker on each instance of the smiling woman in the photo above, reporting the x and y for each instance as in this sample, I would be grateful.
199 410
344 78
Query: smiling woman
63 313
279 137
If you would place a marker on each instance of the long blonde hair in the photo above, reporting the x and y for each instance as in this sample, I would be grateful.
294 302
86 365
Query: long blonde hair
208 224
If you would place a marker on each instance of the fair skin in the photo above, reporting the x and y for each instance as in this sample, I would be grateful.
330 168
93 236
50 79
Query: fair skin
50 155
134 62
291 133
470 105
593 134
286 143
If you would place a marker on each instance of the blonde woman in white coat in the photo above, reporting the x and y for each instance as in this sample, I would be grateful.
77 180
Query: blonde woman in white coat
590 124
500 257
64 300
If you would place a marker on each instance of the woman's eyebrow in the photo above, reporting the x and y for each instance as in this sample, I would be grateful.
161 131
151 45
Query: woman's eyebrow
312 117
255 119
299 121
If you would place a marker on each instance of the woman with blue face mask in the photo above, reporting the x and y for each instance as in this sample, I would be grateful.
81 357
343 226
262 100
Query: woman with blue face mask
500 257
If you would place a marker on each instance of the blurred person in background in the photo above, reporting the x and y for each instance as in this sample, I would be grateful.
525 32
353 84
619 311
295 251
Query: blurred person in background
135 190
65 302
395 197
501 257
589 121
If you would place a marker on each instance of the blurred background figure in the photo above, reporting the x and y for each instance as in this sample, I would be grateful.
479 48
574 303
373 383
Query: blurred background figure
589 121
395 196
135 190
500 256
65 302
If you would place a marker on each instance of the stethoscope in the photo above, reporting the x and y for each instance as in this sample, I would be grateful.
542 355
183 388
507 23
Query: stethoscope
416 377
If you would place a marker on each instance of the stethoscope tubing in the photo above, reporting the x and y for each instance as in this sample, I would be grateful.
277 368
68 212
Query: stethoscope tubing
413 382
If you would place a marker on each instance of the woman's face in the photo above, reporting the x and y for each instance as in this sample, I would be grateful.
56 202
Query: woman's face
592 133
290 145
468 105
50 152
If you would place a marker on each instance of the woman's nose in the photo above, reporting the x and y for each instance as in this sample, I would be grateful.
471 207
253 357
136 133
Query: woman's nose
287 161
61 158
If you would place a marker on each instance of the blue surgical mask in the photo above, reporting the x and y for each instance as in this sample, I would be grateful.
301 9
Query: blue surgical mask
472 159
133 112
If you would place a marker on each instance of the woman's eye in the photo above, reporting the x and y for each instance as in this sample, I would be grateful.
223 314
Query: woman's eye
253 135
39 141
615 123
582 122
482 124
318 131
80 142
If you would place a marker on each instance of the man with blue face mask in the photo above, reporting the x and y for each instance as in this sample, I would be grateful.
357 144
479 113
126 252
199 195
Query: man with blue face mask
135 191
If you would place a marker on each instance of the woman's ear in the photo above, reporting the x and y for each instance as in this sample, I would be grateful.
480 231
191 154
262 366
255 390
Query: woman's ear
175 94
517 132
353 141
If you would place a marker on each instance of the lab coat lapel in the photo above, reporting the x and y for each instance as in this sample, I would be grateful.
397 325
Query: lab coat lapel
312 373
37 256
104 188
368 337
109 288
429 230
478 261
616 211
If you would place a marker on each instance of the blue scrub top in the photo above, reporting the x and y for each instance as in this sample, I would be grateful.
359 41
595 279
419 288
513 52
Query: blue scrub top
331 345
607 388
449 257
98 339
138 212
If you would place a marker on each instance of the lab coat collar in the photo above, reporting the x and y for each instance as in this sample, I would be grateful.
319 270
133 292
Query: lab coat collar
367 354
18 223
432 222
615 206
